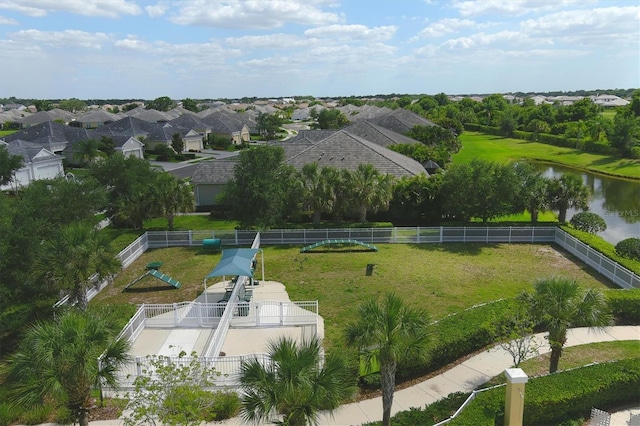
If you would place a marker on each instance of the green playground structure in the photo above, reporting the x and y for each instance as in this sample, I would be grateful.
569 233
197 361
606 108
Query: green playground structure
152 269
339 241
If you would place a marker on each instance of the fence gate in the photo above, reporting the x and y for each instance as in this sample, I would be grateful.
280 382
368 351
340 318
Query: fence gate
599 418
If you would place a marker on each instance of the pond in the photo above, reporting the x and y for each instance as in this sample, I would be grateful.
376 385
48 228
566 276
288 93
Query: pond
616 200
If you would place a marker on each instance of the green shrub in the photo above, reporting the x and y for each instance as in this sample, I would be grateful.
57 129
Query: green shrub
625 306
588 222
604 247
430 414
225 405
561 397
629 248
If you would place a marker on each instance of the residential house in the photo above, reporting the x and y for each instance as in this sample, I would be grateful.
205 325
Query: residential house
224 125
38 163
162 133
40 117
51 135
94 119
210 178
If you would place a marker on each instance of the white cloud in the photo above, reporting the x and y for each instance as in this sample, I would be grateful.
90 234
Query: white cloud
447 26
7 21
611 26
132 43
253 14
106 8
156 10
277 41
511 7
352 32
482 40
61 39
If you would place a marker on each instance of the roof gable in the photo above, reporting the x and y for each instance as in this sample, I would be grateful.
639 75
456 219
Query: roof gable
215 172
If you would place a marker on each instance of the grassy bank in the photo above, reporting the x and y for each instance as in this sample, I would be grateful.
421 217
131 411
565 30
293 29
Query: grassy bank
495 148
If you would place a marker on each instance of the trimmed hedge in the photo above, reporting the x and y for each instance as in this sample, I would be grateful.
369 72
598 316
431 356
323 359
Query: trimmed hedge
563 396
624 305
461 334
603 247
629 248
430 414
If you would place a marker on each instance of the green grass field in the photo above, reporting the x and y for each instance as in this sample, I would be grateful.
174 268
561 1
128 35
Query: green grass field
6 132
442 278
496 148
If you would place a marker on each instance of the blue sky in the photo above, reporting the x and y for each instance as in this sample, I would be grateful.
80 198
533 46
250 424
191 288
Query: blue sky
98 49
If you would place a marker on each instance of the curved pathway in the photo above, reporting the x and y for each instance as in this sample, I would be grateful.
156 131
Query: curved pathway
463 377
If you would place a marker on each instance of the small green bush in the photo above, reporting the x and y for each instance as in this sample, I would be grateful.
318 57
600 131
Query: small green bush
225 405
624 306
430 414
629 248
588 222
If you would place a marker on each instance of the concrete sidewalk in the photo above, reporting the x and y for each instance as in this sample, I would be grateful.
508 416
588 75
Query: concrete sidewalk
464 377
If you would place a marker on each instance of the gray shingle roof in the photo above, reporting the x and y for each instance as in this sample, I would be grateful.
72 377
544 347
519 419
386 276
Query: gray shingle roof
128 126
378 134
401 121
345 150
50 134
97 116
215 171
29 151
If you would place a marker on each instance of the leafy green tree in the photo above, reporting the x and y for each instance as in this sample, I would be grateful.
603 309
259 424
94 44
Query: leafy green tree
69 260
330 119
491 106
163 103
172 195
537 126
296 385
175 393
58 361
389 332
86 151
340 183
624 133
576 129
190 104
73 105
566 192
107 146
534 190
257 193
559 304
128 180
416 199
436 136
9 165
268 125
371 191
43 105
481 189
177 143
588 222
629 248
508 122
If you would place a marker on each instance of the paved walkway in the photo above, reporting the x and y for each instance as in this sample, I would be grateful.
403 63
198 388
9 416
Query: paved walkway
464 377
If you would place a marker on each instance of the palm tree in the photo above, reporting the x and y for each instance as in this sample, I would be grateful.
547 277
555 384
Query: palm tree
86 151
560 303
58 360
317 192
566 192
69 259
389 332
295 384
171 196
371 191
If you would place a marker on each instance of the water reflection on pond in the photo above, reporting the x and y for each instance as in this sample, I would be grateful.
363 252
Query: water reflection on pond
617 201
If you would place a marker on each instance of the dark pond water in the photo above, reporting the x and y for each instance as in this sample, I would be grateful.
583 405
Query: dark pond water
617 201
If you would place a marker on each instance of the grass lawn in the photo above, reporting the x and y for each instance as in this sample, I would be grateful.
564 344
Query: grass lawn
496 148
198 222
442 278
577 356
6 132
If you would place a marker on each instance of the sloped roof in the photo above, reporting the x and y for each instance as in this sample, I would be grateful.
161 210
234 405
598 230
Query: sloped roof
51 115
311 136
189 122
50 133
97 116
378 134
235 262
29 151
164 132
216 172
401 121
150 115
221 122
128 126
345 150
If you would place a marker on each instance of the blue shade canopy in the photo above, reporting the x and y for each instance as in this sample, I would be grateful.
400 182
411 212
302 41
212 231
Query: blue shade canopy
234 262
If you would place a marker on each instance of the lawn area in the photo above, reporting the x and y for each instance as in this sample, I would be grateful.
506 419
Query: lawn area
577 356
193 222
496 148
442 278
4 133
